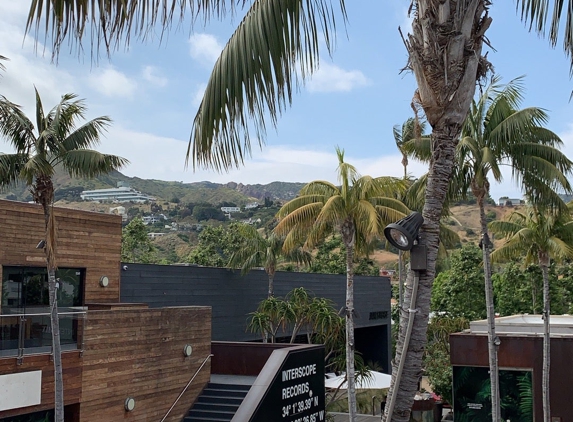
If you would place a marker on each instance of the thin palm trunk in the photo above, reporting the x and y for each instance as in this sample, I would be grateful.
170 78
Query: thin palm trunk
271 284
43 193
348 238
56 348
543 263
492 339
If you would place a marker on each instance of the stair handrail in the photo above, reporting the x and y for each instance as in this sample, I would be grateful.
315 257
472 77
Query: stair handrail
187 386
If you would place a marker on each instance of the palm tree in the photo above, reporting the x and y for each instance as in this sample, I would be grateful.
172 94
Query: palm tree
261 64
259 251
411 133
540 236
55 142
497 133
358 209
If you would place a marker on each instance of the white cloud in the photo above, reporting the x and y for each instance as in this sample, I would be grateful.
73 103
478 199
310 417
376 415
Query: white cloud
154 76
205 48
331 78
26 69
162 158
112 83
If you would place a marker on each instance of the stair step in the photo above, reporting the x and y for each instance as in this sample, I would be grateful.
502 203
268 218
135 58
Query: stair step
215 413
238 387
217 406
203 419
224 392
217 403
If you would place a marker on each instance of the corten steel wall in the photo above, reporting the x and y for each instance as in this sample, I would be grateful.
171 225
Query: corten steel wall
85 240
524 352
233 296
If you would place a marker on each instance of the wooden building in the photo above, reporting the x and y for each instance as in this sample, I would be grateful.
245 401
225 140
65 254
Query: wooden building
113 353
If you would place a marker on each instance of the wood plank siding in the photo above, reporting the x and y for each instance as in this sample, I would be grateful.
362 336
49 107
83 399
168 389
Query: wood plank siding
85 240
138 353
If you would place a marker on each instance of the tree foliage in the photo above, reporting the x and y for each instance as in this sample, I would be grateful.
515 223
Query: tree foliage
136 246
459 291
330 258
216 245
437 355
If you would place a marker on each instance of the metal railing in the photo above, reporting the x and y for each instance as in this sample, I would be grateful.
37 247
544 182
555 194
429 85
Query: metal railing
26 333
187 386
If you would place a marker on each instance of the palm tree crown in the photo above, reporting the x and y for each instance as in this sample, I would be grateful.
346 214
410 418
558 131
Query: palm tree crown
257 250
364 204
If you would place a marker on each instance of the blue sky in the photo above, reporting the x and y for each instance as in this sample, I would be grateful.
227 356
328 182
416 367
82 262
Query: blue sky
152 90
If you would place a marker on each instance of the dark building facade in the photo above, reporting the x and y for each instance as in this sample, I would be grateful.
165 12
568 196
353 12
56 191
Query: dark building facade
233 296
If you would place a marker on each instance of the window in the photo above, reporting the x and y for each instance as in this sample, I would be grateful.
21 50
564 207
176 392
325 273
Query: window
24 317
26 288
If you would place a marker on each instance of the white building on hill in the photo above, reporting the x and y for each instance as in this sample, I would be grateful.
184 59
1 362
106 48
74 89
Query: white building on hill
119 194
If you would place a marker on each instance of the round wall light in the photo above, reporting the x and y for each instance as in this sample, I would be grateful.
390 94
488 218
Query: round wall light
187 350
129 404
104 281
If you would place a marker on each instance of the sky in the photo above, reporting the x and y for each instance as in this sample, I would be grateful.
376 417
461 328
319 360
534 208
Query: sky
152 90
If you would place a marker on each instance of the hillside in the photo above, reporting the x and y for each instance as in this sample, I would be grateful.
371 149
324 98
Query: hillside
173 197
197 192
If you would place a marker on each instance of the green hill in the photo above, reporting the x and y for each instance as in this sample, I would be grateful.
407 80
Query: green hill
197 192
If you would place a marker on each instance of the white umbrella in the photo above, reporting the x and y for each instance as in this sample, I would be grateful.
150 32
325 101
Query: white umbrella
375 380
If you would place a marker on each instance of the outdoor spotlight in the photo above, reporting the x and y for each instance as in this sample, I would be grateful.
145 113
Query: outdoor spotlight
402 233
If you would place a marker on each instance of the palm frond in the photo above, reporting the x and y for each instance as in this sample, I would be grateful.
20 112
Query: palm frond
90 163
537 12
15 127
279 37
112 23
11 166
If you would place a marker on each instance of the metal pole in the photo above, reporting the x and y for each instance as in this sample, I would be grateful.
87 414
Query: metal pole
412 311
400 281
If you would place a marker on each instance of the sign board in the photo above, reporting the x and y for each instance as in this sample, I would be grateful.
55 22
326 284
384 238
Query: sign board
20 390
296 394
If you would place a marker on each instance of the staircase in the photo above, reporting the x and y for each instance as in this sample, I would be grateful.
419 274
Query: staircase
217 403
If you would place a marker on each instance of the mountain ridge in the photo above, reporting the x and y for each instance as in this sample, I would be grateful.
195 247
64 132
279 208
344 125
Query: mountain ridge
192 192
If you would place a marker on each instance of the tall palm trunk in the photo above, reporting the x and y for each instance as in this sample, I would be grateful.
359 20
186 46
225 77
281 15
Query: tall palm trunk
43 194
445 55
348 237
544 264
492 340
438 180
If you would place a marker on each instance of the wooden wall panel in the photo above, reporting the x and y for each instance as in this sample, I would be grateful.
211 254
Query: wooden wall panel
85 240
72 370
139 353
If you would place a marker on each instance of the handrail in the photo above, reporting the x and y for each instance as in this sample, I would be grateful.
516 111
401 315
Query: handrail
42 314
17 346
187 386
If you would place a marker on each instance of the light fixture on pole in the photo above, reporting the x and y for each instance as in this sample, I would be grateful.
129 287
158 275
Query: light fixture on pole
404 232
403 235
